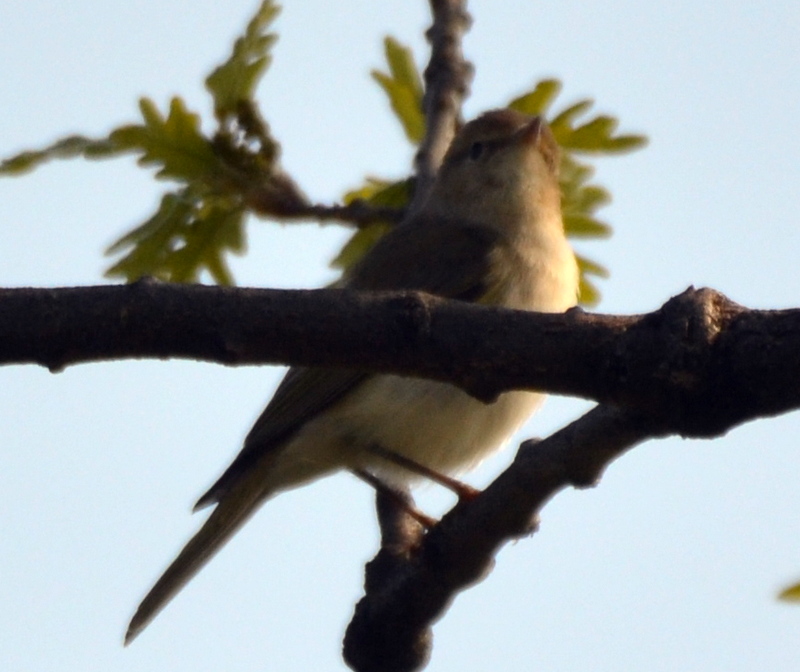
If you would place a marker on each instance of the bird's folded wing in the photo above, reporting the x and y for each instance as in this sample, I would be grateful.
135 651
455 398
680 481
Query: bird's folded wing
435 255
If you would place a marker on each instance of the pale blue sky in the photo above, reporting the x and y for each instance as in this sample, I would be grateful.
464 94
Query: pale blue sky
672 563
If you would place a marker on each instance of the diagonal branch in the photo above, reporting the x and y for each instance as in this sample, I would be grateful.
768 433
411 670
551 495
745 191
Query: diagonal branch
410 585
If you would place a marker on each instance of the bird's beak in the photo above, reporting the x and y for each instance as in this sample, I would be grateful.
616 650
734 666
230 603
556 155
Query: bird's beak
537 136
531 132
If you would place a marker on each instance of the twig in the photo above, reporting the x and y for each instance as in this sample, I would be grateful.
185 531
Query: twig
281 200
357 212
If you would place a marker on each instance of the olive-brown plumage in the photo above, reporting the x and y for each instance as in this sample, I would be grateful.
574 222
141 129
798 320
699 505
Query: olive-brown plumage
490 232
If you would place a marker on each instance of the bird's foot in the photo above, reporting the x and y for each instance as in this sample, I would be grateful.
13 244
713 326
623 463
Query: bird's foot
398 497
463 491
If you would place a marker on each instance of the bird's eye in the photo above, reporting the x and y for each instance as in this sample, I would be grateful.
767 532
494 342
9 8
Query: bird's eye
476 150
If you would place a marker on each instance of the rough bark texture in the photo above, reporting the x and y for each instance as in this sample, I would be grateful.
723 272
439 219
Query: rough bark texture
699 365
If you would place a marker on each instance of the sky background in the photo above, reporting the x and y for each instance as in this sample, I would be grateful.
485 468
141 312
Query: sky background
672 563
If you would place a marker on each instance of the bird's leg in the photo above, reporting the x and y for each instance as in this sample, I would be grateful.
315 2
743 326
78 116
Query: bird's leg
463 491
398 497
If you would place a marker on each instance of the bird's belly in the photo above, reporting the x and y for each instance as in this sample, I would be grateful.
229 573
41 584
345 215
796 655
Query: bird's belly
437 424
432 423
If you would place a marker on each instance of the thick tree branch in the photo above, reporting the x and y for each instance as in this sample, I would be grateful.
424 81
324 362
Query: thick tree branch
700 365
410 585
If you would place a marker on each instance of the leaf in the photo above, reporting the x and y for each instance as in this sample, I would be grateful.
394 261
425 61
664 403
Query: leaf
402 66
190 233
205 242
538 101
152 241
237 78
175 143
561 124
591 267
403 86
588 294
588 198
598 136
66 148
574 173
591 136
623 144
581 226
790 594
382 192
379 193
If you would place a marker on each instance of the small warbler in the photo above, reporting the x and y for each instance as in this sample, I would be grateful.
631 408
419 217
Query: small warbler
490 232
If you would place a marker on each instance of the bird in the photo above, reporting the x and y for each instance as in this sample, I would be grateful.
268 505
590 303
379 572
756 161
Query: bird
489 232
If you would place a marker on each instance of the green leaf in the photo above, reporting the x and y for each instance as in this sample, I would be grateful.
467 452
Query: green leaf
790 594
237 78
66 148
205 242
538 101
190 233
581 226
588 294
402 66
561 124
587 198
574 174
175 143
625 143
379 193
382 192
153 241
591 137
403 86
591 267
598 136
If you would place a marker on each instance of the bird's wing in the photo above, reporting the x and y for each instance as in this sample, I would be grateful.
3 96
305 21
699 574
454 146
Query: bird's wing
303 393
446 258
441 257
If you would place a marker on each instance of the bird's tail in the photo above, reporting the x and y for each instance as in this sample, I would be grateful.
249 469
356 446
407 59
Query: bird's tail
233 510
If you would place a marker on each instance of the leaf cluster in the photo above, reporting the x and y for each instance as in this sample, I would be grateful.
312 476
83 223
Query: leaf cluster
234 172
202 220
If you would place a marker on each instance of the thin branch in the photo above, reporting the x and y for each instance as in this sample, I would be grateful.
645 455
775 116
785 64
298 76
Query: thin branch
447 79
391 627
266 201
